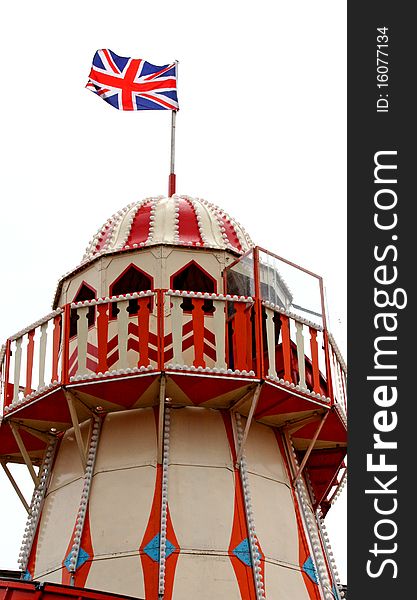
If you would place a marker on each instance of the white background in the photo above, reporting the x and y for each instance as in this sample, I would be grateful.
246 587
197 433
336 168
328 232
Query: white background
261 132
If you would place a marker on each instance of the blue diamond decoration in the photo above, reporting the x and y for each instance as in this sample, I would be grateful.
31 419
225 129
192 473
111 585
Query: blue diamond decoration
242 551
309 568
83 556
152 549
27 576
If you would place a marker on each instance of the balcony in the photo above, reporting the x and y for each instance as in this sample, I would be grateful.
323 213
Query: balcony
267 330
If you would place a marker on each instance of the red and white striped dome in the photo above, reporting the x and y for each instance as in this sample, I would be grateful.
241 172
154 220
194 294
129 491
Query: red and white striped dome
179 221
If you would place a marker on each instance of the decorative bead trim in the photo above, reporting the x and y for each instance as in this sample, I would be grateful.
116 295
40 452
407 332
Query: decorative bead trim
197 212
22 332
340 487
38 392
128 225
164 503
210 296
151 231
292 315
85 495
218 212
206 224
177 367
338 353
341 412
118 220
176 220
328 549
312 527
36 506
245 241
100 375
92 248
108 299
299 388
253 540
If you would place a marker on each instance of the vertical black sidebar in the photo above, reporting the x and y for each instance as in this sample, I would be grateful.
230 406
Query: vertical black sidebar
382 326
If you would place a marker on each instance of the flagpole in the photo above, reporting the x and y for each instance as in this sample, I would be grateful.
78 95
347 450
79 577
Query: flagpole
172 177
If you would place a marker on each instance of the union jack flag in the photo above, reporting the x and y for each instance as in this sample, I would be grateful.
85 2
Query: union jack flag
133 83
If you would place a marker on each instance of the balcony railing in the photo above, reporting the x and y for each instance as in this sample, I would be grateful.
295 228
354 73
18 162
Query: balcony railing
165 330
265 332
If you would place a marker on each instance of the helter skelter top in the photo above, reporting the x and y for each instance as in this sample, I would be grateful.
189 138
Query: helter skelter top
178 220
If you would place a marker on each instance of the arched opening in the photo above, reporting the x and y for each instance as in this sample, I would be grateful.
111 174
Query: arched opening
85 292
131 280
193 278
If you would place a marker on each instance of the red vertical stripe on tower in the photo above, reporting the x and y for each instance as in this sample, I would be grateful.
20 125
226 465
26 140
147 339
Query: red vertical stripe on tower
304 551
32 556
139 232
243 572
230 232
86 545
150 567
188 228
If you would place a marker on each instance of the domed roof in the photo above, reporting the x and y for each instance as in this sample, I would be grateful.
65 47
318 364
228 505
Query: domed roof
178 221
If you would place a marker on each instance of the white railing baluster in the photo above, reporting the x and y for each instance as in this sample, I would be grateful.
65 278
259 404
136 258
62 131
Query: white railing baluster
17 365
300 354
219 326
176 320
122 332
42 353
270 338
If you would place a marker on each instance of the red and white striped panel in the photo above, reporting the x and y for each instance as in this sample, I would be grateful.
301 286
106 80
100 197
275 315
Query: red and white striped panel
179 221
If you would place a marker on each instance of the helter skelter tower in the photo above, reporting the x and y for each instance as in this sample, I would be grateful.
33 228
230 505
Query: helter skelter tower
181 413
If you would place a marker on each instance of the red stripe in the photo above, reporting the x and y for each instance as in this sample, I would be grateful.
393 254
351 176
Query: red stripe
158 100
73 357
158 73
130 74
113 358
92 350
126 83
188 225
110 61
230 232
139 232
108 228
303 551
243 573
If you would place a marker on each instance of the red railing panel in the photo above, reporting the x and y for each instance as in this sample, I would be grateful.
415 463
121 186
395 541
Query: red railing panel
56 340
240 336
102 336
143 331
198 330
65 345
315 360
